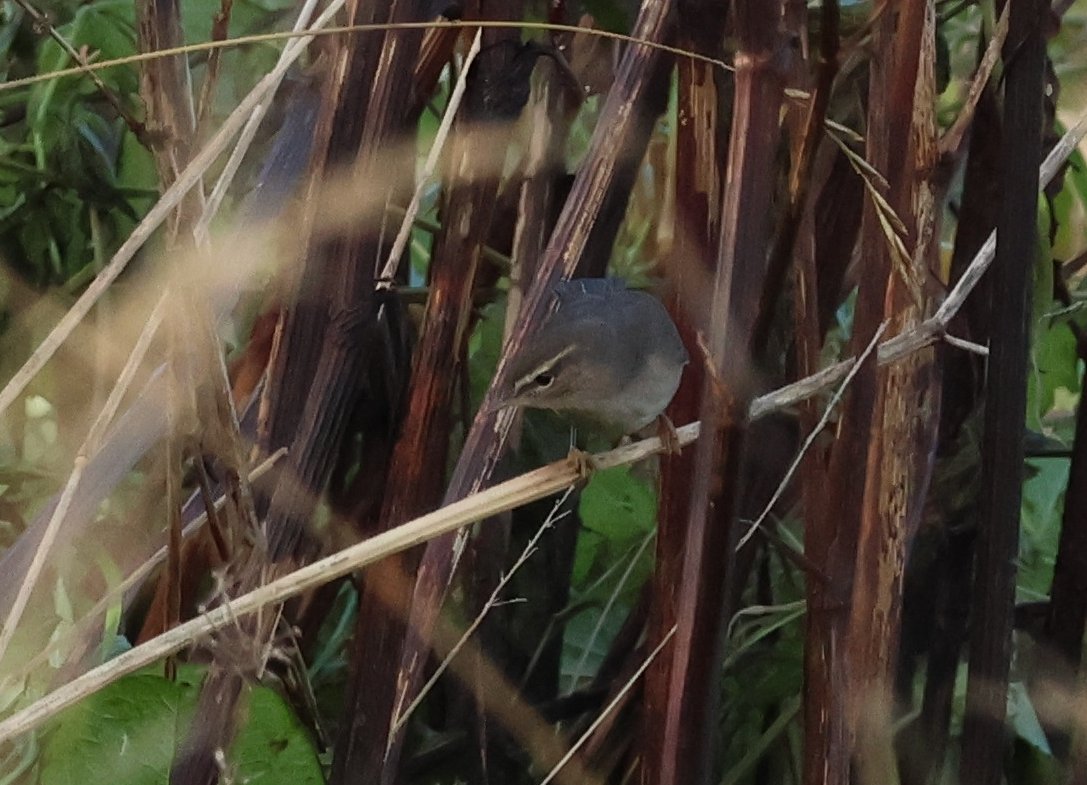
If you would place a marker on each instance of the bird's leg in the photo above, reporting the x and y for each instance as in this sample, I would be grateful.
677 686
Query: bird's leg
580 461
668 435
583 463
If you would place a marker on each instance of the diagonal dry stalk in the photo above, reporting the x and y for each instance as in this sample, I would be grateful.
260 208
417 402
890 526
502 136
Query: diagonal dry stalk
521 490
615 701
581 669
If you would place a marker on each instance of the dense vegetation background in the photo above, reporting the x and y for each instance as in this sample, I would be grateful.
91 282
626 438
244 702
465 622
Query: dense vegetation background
252 297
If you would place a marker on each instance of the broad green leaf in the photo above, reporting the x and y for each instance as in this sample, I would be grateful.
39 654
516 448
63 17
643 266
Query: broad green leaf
127 734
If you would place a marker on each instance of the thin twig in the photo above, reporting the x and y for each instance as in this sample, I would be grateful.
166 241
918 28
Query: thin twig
220 31
966 346
491 602
610 707
612 597
41 21
951 141
262 38
808 442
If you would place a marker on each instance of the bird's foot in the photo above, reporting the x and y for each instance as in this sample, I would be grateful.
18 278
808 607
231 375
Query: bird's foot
583 463
668 435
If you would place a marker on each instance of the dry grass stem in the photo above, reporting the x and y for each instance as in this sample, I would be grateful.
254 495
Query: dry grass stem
388 273
514 493
934 328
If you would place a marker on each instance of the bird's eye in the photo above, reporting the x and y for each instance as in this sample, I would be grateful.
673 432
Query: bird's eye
544 380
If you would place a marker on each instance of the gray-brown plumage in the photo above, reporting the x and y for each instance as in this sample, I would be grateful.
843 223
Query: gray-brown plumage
608 354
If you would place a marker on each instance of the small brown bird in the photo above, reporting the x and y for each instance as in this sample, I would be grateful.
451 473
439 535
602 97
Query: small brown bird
609 355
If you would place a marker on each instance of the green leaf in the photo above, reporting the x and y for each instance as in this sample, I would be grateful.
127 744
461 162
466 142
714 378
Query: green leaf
1054 366
124 735
1043 496
618 506
582 651
273 747
617 512
128 733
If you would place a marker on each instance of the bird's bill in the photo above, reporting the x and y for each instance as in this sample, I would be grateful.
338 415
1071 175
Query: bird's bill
496 405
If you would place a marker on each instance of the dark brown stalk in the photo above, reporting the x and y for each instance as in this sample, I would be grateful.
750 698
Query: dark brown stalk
532 219
220 29
827 236
539 191
937 598
741 266
320 356
614 143
164 88
832 531
434 54
800 179
317 361
1066 620
902 143
1002 450
417 468
830 542
495 544
699 178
